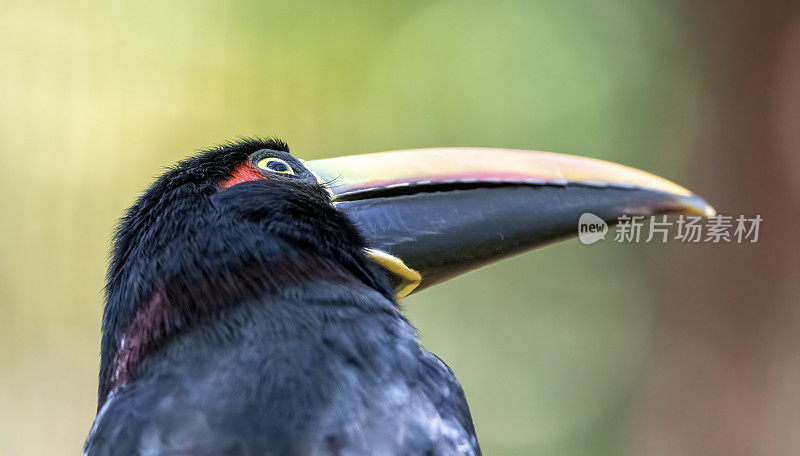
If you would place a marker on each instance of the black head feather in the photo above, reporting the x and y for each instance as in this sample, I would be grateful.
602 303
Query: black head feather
187 249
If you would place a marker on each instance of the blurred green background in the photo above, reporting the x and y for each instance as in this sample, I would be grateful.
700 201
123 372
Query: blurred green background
570 350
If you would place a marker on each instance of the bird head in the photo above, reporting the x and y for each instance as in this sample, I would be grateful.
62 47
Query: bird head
248 218
233 222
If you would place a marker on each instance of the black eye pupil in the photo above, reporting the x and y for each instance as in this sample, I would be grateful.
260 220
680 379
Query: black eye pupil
278 166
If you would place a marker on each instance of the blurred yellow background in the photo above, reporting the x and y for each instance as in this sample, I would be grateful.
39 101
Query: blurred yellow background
571 350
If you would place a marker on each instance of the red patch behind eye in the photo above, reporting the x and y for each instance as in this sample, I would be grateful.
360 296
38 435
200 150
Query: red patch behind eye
244 173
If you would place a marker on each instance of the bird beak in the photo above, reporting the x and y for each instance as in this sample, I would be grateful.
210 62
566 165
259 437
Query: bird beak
432 214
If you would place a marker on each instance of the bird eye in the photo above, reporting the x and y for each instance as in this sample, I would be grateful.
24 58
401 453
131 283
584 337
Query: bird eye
275 165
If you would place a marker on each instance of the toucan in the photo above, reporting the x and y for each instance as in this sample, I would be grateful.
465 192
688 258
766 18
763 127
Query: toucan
251 305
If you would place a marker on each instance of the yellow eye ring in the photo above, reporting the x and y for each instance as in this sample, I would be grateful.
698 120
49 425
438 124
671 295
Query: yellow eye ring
275 165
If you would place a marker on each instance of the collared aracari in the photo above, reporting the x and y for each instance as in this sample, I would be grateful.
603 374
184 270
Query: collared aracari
251 298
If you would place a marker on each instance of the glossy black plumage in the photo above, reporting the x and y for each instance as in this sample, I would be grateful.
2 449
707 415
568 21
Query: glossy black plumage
247 321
